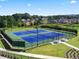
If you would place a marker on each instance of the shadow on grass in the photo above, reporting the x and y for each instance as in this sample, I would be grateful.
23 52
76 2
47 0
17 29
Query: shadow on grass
6 46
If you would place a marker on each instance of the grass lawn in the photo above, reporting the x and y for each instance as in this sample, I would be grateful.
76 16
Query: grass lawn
1 44
74 41
58 50
19 29
72 26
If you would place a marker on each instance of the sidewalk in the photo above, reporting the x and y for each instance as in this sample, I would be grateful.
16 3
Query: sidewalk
31 55
71 46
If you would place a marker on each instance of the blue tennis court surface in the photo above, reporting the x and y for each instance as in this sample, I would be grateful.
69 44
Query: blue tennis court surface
43 35
29 32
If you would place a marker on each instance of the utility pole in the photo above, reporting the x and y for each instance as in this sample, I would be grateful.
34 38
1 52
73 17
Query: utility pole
37 30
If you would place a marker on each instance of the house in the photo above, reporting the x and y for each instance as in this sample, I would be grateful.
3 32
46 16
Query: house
26 22
44 20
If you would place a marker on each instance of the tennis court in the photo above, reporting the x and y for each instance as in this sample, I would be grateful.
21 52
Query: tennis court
38 35
34 37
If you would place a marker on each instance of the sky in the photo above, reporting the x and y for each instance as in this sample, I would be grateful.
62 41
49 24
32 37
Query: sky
39 7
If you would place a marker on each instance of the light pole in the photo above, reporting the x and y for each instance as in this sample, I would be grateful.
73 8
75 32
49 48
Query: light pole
37 23
37 26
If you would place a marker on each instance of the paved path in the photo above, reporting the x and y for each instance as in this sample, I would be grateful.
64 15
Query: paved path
32 55
71 46
42 56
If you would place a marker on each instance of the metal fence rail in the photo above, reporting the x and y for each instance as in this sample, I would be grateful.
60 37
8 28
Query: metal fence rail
22 55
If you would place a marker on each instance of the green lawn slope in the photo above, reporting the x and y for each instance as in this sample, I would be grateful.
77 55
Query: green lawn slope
58 50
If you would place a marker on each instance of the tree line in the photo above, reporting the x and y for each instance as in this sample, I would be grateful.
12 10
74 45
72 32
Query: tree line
15 19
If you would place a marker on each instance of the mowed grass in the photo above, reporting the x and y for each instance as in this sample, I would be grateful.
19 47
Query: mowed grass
15 29
74 41
1 44
57 50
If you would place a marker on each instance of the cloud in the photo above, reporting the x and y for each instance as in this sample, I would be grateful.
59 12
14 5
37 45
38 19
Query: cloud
73 1
29 5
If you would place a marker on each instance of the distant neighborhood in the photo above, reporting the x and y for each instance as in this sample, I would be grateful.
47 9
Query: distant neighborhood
29 20
51 19
67 21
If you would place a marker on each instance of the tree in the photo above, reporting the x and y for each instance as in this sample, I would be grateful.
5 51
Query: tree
2 22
